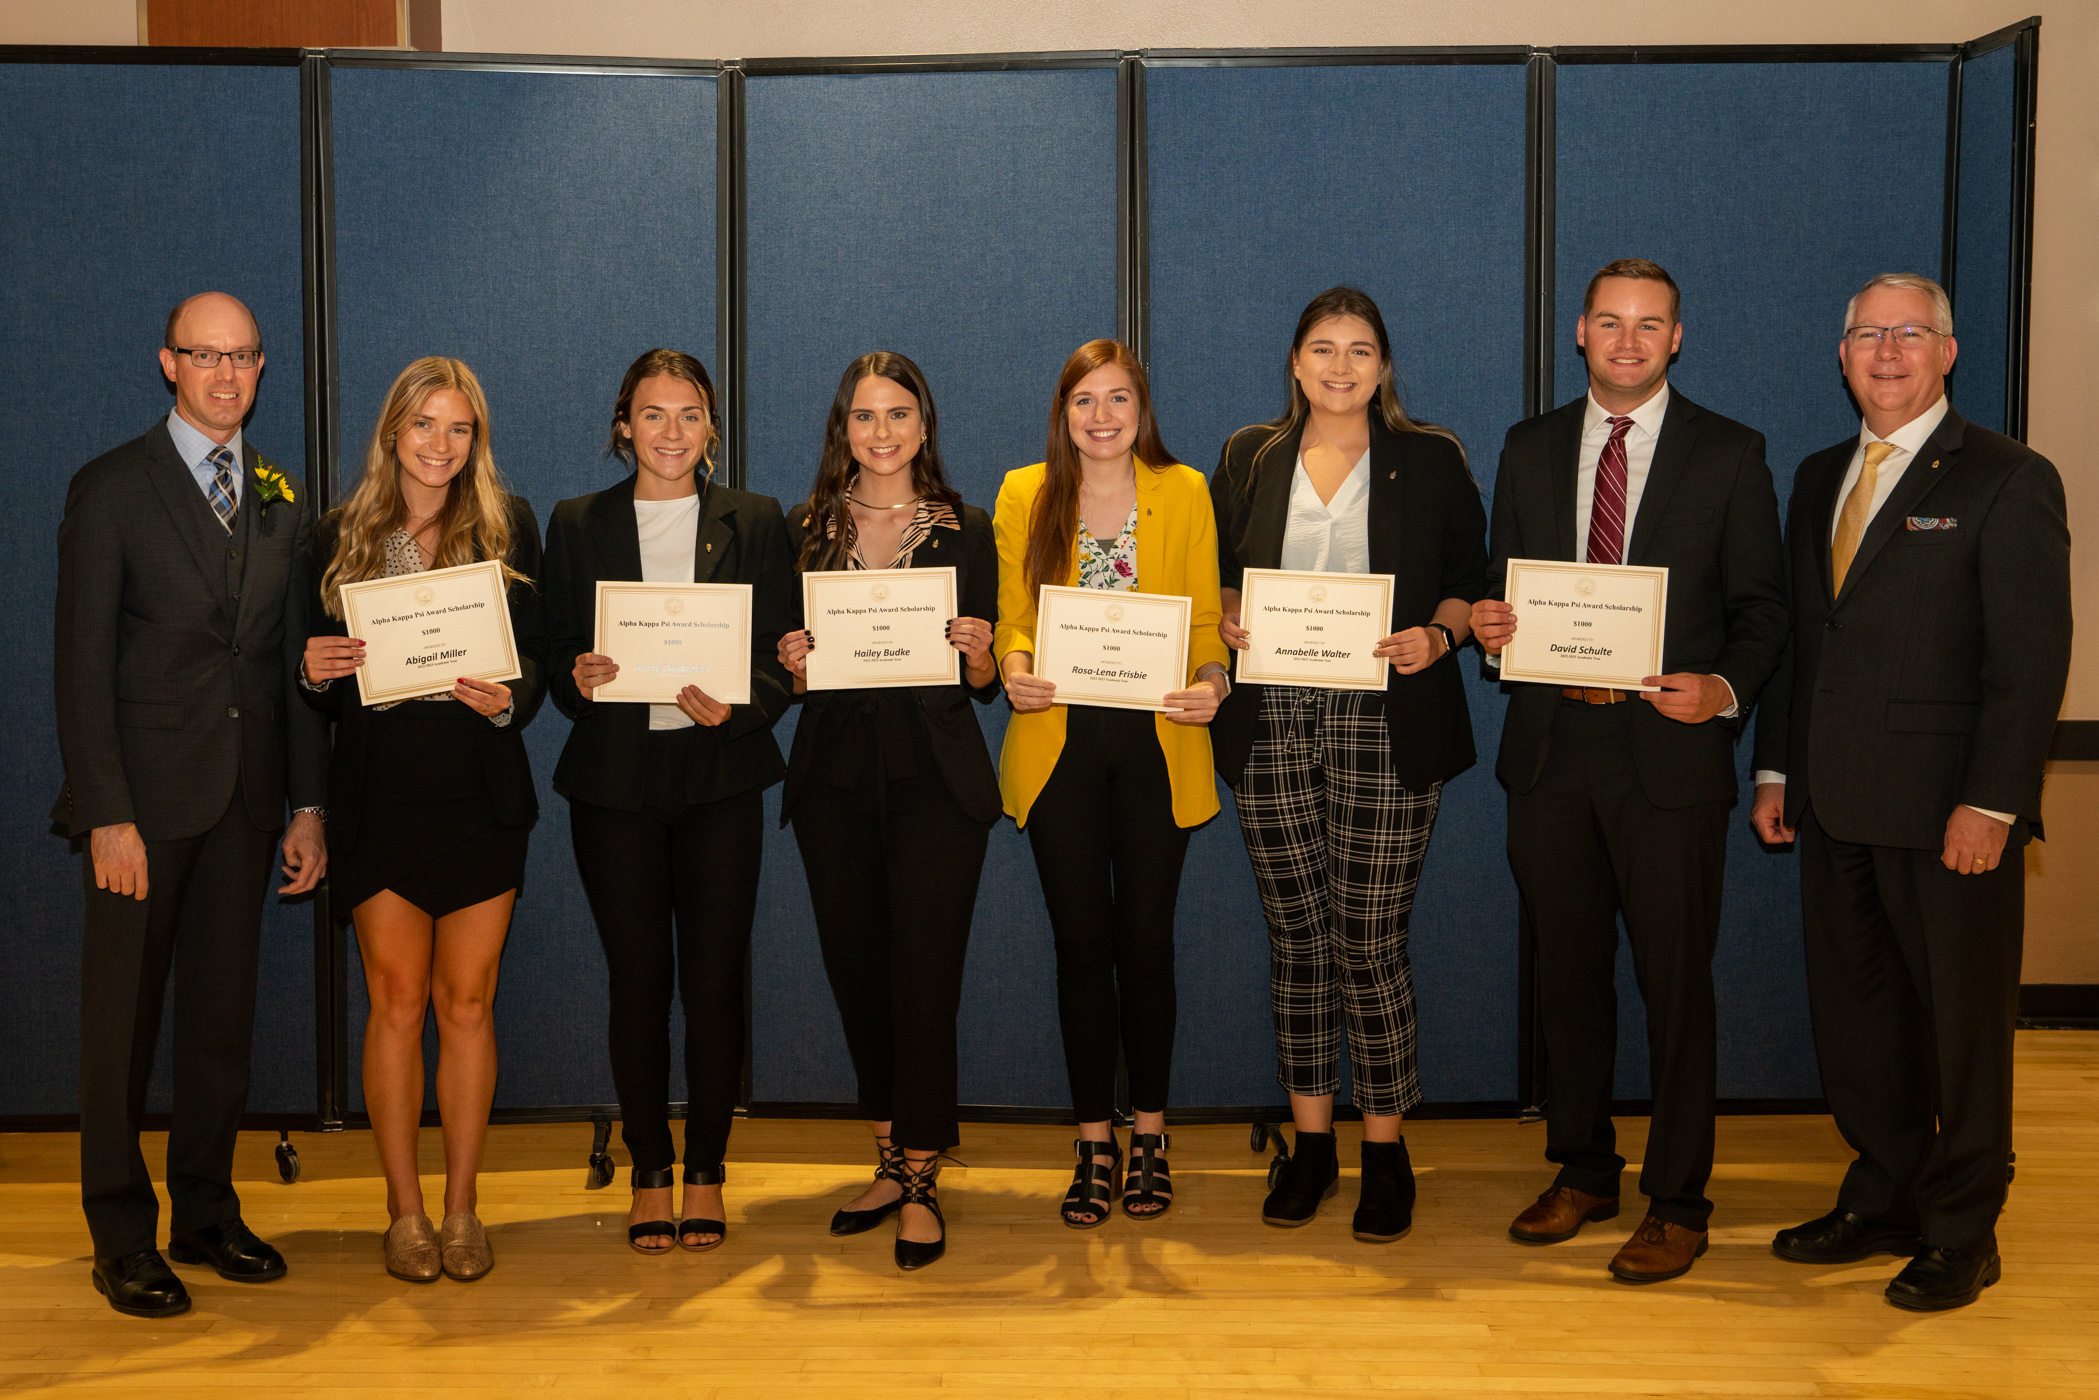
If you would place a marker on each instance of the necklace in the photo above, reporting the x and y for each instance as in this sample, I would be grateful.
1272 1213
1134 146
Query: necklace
866 506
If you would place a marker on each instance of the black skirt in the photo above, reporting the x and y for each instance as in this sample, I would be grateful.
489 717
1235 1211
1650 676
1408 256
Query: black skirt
429 831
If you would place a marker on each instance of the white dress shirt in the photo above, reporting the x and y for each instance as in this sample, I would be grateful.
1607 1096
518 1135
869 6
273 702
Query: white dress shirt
670 531
1329 537
1639 456
193 447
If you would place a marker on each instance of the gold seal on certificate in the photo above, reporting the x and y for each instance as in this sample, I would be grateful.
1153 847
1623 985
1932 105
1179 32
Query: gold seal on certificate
1106 646
666 636
880 627
421 632
1597 625
1315 629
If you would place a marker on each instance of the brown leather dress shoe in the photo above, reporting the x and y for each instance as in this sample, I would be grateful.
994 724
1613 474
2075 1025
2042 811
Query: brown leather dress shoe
1559 1214
1658 1250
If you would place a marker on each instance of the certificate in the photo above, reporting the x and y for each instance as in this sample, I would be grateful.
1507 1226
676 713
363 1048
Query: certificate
1105 646
421 632
1315 629
880 627
666 636
1596 625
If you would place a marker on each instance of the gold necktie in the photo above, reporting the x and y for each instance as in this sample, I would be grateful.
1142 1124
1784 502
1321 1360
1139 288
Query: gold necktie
1858 506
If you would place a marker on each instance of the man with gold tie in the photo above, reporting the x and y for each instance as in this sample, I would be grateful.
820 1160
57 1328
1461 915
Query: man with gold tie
1902 743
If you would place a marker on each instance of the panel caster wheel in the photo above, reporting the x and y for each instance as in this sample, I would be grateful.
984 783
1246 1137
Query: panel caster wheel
598 1175
1257 1141
287 1158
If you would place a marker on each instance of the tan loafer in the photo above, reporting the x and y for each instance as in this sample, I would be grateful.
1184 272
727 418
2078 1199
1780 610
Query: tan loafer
1658 1250
411 1249
464 1245
1559 1214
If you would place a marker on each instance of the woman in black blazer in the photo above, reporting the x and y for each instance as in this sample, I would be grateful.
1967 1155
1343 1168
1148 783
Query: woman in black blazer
891 791
666 802
1338 789
432 800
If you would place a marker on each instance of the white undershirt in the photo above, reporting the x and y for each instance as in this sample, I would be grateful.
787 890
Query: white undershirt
1329 537
670 532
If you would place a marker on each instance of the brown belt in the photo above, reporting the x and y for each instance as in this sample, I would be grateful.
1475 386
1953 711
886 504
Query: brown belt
1595 697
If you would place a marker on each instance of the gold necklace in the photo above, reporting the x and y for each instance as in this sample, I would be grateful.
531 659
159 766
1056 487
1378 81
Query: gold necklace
864 505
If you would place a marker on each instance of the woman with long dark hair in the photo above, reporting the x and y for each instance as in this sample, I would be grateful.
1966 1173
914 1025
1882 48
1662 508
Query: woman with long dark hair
1108 796
891 790
1338 789
666 801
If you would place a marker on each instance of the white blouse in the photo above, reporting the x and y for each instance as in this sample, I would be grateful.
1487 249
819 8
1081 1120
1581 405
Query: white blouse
1329 537
670 532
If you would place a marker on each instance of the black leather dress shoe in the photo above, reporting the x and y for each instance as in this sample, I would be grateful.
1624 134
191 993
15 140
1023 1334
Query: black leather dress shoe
1843 1238
1938 1279
140 1285
233 1249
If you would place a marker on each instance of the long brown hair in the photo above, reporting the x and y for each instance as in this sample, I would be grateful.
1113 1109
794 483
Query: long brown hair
827 538
1054 527
474 522
674 364
1341 301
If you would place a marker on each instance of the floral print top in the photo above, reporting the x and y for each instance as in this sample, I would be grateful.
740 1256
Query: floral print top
1115 567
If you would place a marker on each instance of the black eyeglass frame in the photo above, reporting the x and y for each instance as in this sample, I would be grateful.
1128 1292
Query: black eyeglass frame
216 355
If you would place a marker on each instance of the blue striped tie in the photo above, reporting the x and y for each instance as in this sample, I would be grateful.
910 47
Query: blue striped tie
221 493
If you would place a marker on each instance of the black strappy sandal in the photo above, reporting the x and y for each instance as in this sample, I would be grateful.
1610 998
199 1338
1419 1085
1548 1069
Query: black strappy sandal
1149 1182
854 1222
918 1185
657 1180
1092 1185
703 1176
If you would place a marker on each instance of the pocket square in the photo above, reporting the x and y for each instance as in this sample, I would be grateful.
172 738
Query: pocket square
1930 522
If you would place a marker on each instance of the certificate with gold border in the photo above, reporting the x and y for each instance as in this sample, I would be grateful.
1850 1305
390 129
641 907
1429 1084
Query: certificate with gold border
880 627
1107 646
666 636
1593 625
1314 629
421 632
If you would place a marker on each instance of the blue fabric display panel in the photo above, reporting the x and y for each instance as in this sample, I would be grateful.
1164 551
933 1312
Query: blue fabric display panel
1269 185
545 228
1771 192
126 195
966 220
1982 274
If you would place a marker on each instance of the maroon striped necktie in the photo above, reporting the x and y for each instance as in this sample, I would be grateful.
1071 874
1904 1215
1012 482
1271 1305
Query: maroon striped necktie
1607 509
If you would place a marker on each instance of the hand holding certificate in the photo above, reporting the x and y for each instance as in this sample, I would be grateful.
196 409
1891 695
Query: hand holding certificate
422 632
1591 625
1314 629
667 636
1110 647
880 627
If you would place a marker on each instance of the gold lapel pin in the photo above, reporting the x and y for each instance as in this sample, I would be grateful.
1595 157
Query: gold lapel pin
1934 464
710 546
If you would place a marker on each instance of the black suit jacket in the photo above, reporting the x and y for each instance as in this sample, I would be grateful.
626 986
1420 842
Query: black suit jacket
944 711
1933 680
1427 529
741 539
503 760
1707 513
176 644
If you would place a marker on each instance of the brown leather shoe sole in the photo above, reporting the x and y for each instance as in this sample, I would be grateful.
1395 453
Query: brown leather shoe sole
1635 1276
1595 1216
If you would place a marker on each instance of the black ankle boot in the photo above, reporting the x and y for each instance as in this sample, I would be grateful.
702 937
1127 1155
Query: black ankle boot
1309 1176
1386 1208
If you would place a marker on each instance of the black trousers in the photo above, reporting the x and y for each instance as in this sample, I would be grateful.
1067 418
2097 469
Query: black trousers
674 889
1587 846
893 864
1913 982
1109 856
203 917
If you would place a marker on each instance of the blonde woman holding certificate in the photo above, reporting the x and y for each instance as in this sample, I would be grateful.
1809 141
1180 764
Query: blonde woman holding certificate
1338 788
431 799
1108 796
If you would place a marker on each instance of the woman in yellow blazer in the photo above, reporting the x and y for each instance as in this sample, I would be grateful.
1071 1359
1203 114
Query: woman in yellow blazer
1108 796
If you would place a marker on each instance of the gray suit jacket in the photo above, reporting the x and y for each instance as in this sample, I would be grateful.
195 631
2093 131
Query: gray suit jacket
176 650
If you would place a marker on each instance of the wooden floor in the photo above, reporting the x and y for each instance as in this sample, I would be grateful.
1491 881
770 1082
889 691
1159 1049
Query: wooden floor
1207 1303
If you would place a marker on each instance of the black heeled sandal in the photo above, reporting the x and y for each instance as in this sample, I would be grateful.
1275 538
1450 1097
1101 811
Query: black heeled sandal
703 1176
854 1222
1092 1185
657 1180
918 1185
1149 1182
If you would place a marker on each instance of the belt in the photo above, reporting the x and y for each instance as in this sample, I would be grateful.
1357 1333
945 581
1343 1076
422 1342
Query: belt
1595 697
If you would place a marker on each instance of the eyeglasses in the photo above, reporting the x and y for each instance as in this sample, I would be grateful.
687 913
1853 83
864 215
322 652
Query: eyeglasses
209 359
1906 337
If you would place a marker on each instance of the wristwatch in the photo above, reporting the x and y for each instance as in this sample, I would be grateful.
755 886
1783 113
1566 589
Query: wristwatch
1450 638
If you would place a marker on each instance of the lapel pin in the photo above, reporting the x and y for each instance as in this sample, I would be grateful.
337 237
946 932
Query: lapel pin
710 546
1392 476
1934 464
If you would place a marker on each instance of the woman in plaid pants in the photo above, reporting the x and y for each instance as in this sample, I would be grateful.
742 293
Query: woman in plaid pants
1338 787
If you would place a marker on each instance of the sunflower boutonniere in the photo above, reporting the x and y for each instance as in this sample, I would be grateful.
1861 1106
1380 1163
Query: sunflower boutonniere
271 484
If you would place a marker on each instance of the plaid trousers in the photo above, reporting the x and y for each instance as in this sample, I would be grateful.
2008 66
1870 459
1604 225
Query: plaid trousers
1337 845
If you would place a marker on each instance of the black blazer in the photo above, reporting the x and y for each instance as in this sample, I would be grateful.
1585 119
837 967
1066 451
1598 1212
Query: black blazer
503 760
1933 680
1427 529
943 711
176 648
741 539
1709 514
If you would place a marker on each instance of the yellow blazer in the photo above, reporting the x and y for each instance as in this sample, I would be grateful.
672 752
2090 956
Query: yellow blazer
1176 553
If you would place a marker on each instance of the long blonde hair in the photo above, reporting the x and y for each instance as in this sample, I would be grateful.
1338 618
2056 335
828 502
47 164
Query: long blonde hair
474 522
